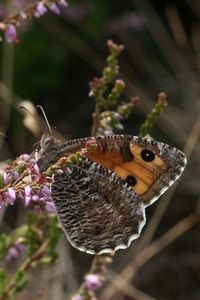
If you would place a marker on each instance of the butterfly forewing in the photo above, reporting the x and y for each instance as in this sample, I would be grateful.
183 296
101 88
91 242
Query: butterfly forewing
148 166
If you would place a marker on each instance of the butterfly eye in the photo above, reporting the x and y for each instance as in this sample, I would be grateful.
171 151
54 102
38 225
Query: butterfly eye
147 155
131 180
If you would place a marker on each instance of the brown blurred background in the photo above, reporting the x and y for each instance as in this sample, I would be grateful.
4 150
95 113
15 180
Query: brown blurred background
52 65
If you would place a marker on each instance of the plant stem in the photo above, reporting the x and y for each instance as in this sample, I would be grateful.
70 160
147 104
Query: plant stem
25 267
95 125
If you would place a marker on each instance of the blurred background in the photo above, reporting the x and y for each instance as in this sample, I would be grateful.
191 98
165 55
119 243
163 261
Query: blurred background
52 65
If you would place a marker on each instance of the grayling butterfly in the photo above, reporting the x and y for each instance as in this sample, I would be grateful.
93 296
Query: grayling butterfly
101 199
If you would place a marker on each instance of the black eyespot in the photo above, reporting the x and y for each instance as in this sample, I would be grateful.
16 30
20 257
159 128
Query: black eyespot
131 180
147 155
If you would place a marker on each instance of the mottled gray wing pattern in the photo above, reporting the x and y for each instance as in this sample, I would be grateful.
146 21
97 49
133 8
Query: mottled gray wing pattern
97 210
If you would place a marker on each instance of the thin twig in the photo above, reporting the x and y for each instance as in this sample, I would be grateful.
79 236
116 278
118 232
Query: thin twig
26 266
148 252
161 208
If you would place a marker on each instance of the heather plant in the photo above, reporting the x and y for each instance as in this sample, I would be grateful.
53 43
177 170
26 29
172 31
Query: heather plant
37 9
22 181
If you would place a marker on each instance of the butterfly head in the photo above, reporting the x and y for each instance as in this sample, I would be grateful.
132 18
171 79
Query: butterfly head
48 153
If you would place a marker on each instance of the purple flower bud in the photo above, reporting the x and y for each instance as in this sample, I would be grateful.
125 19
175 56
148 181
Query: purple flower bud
92 282
33 161
108 132
41 9
23 158
117 116
15 175
20 247
5 178
15 250
27 190
36 169
10 33
27 200
35 198
12 253
50 207
45 193
9 197
54 8
63 3
12 194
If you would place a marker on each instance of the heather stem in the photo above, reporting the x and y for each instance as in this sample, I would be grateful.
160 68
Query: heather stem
26 266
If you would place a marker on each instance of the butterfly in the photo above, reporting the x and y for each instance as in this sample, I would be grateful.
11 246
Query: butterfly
101 199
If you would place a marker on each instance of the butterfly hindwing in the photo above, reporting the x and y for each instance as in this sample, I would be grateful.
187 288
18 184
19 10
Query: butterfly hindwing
96 209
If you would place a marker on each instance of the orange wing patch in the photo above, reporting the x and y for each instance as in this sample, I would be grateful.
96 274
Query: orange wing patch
145 173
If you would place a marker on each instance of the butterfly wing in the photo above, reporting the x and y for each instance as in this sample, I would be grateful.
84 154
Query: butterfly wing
97 210
149 167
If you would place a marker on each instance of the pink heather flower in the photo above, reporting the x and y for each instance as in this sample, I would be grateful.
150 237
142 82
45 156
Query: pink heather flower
43 199
24 157
54 8
92 282
5 178
12 253
77 297
9 175
63 3
45 193
27 191
15 175
10 33
33 161
15 251
50 207
41 9
12 194
36 169
35 198
108 132
27 200
9 197
117 116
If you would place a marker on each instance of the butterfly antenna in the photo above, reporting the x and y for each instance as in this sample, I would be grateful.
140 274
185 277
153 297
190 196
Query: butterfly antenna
45 117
